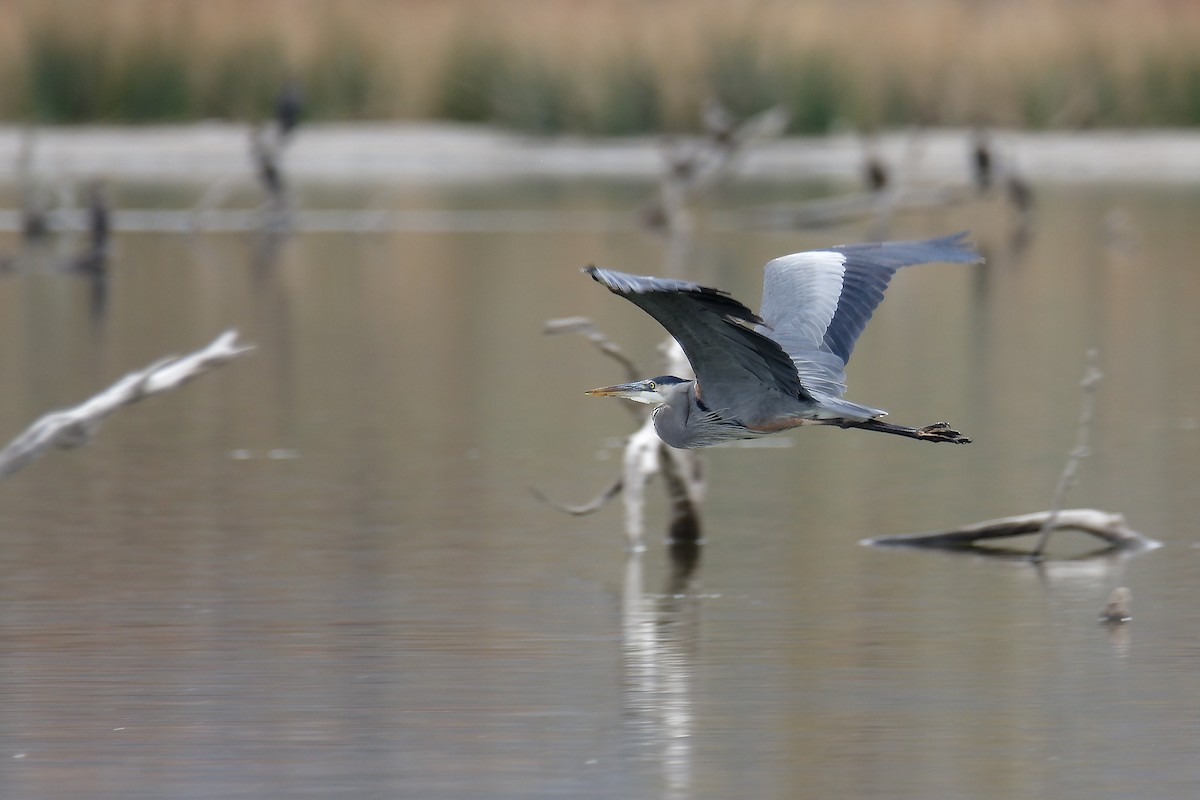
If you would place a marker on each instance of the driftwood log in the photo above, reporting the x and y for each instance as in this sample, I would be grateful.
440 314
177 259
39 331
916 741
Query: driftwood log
1108 527
73 427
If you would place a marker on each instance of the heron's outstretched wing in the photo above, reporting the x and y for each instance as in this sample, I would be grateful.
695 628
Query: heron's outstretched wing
816 304
733 362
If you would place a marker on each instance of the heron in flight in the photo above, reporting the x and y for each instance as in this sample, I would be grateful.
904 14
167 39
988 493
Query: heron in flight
757 375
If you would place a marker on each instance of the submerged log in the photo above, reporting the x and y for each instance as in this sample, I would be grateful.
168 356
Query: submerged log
1109 527
74 426
1106 526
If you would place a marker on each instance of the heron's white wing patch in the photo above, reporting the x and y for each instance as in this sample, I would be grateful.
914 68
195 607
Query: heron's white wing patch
800 295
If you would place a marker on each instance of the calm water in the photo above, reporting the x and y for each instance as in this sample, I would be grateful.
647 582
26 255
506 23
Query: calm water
319 572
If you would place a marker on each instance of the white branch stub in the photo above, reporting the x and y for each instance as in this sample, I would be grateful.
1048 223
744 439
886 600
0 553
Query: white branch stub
72 427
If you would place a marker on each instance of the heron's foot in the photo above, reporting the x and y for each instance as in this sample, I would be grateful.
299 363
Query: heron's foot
942 432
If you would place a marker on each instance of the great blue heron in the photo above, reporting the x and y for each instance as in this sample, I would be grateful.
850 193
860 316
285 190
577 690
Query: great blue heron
760 375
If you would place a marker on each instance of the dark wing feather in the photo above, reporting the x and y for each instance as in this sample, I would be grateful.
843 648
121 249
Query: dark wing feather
869 269
816 304
733 362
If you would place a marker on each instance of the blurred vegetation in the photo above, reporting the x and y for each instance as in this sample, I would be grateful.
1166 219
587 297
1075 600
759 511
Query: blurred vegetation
607 66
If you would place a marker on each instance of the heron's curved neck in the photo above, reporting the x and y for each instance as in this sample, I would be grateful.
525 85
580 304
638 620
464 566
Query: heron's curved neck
672 415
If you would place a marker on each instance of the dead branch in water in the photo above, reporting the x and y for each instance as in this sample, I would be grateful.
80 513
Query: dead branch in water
1108 527
1091 378
683 475
266 151
73 427
641 462
645 456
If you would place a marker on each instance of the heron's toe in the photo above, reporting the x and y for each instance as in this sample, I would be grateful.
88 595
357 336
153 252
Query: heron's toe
942 432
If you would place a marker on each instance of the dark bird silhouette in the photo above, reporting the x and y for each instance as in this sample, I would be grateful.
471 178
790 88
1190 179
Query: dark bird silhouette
93 260
266 163
1019 193
875 173
982 163
289 107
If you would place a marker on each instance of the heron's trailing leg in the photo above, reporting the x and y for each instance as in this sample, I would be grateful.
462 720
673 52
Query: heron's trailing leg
937 432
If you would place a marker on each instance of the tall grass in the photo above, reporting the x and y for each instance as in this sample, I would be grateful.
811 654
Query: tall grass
607 66
65 75
630 101
241 79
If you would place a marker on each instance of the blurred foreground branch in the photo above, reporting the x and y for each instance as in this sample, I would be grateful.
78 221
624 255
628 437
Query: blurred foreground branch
73 427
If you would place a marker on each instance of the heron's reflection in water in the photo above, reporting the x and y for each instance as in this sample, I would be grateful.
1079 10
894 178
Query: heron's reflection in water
659 633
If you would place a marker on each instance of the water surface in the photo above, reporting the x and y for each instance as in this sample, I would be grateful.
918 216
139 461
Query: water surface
319 571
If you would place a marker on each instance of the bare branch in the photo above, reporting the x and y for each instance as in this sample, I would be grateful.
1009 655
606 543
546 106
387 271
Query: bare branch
73 427
593 505
1091 378
683 476
266 150
1111 528
1108 527
641 462
1118 609
586 328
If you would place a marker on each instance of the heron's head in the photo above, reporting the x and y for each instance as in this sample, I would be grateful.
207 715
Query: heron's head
652 391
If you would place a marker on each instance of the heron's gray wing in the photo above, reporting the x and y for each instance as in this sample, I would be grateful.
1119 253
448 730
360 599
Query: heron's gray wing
816 304
733 362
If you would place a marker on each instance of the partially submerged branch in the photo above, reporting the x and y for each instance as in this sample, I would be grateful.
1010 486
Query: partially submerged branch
1110 528
640 463
266 151
1117 611
73 427
1091 378
645 455
683 475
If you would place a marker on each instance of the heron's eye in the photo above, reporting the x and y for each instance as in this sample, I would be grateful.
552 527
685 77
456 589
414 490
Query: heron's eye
649 386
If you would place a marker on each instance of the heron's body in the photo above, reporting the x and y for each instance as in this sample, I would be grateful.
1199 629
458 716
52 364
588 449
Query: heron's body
757 375
684 420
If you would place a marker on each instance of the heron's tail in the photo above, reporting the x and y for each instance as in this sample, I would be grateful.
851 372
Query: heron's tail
835 408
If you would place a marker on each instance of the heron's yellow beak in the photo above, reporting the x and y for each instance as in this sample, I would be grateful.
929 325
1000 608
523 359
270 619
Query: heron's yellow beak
620 390
638 391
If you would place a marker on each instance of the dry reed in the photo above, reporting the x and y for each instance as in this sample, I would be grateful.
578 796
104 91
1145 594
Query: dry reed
609 66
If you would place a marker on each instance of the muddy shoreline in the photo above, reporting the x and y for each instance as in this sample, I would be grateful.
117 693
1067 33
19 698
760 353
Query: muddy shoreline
440 153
